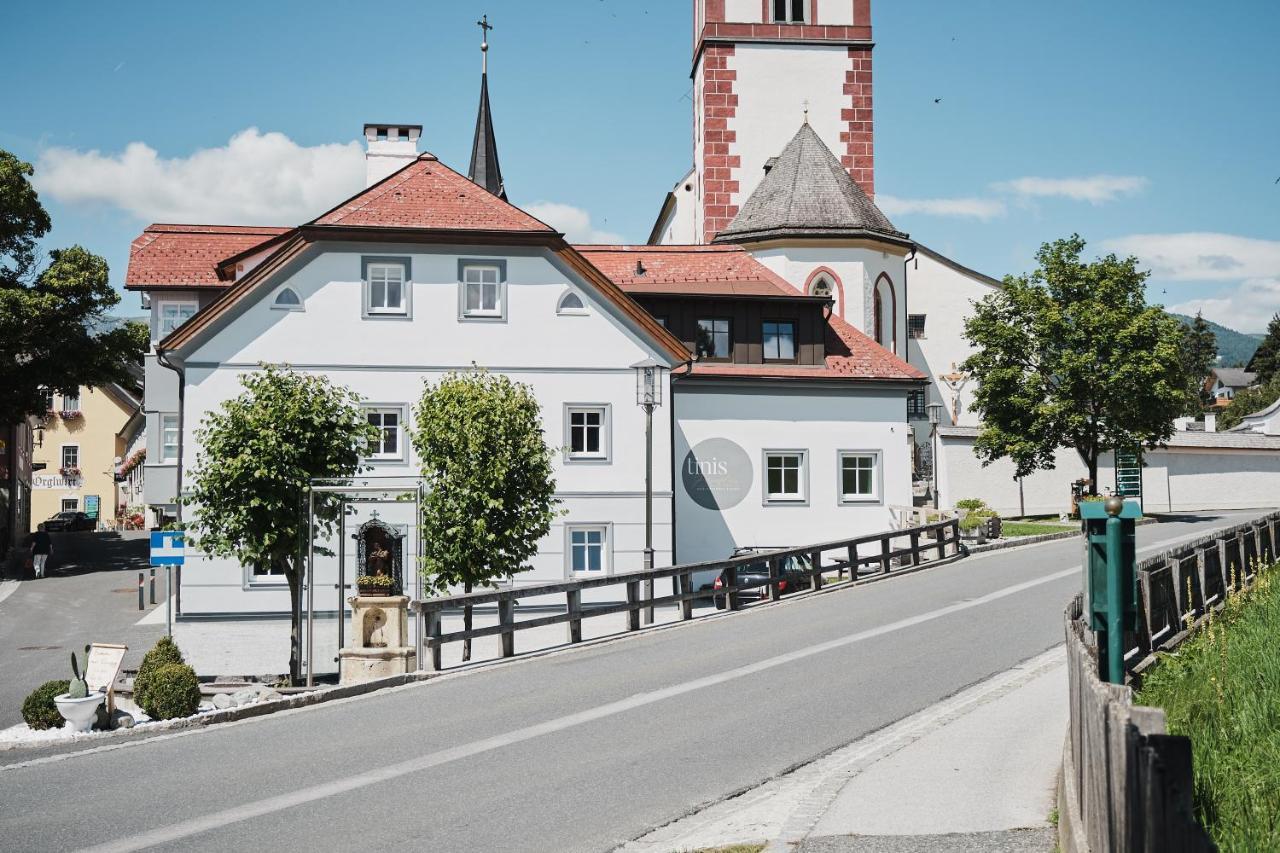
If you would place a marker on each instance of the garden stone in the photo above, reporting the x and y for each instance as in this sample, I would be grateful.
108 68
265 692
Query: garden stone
222 700
243 697
271 696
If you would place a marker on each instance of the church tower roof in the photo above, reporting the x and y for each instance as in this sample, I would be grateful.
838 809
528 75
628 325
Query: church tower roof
484 169
807 193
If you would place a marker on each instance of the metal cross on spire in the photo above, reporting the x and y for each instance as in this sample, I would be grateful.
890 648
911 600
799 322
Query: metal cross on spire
805 103
484 26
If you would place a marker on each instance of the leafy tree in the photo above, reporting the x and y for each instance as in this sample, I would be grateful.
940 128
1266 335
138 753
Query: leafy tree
1248 401
490 489
258 453
1199 351
1266 359
51 331
1072 356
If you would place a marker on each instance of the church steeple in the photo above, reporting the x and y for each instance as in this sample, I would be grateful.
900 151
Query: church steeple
485 170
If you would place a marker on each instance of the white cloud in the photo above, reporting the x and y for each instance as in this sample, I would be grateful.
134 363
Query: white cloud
574 222
1095 189
967 208
256 178
1201 256
1247 308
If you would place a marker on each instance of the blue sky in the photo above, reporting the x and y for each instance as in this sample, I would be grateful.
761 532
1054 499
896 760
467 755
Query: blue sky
1148 127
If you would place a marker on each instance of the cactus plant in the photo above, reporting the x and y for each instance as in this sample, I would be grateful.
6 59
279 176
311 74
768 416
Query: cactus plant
79 689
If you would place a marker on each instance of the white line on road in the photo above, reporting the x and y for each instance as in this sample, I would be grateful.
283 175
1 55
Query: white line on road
269 805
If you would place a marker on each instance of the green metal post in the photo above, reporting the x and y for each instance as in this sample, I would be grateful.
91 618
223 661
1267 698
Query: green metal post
1115 599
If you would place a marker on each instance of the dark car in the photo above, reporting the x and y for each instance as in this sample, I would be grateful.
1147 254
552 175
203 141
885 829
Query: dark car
795 577
70 520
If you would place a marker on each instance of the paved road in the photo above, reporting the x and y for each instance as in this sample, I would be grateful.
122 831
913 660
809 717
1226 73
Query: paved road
578 751
89 595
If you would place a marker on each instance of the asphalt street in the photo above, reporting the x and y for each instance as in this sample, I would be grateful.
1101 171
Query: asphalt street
90 594
576 751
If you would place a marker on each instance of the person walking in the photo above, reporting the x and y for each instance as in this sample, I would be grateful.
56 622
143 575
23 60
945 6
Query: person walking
41 548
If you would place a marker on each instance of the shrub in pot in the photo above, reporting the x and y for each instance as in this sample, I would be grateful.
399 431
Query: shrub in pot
974 525
173 691
38 708
165 651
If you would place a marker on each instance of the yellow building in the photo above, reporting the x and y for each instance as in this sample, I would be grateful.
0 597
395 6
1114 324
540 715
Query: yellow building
83 442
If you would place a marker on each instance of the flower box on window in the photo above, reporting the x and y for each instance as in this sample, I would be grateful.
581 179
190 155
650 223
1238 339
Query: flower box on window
69 471
70 415
135 459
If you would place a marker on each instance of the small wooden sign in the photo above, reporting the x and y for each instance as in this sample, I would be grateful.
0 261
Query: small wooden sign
103 667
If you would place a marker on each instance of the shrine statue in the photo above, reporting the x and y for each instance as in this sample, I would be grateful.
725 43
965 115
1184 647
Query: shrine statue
379 561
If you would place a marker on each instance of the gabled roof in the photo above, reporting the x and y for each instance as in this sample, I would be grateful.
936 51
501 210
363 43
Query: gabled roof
701 270
426 194
188 255
807 193
1235 377
484 170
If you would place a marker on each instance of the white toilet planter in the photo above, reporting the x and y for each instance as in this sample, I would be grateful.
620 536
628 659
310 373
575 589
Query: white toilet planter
79 713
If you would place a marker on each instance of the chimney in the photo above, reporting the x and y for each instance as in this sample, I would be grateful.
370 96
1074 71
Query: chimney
1211 422
389 148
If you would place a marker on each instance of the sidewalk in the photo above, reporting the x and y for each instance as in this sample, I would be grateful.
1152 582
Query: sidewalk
977 771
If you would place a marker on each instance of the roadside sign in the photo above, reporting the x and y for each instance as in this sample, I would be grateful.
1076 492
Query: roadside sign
91 506
167 548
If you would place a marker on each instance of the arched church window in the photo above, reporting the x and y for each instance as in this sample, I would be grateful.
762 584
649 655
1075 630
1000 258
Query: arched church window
288 300
821 287
877 317
885 320
571 303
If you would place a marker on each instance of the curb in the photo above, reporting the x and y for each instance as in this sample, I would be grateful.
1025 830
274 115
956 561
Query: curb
1070 828
1041 537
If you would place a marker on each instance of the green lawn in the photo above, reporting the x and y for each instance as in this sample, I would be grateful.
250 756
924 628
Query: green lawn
1222 689
1036 528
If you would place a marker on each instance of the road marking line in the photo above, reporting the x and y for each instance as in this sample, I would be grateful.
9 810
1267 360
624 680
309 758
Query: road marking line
269 805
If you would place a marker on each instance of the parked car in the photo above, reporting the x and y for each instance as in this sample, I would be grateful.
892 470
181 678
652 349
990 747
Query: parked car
794 577
70 520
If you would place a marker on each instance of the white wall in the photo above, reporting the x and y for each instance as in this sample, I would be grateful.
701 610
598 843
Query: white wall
962 475
682 224
773 83
821 422
565 359
1183 479
855 270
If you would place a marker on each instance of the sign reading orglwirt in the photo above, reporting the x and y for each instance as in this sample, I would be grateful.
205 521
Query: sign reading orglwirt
54 481
717 473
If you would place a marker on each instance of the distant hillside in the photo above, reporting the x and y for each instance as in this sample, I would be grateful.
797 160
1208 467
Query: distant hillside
1233 347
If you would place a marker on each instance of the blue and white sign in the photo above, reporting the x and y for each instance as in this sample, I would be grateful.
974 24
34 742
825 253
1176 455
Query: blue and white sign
167 547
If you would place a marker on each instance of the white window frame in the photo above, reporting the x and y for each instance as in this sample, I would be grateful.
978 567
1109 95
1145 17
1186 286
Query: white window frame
47 394
580 311
62 456
71 402
179 305
169 422
400 410
801 497
368 266
277 305
604 454
75 504
791 4
499 312
606 549
876 476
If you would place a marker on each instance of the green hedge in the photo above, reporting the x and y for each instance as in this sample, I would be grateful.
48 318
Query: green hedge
165 651
38 708
173 691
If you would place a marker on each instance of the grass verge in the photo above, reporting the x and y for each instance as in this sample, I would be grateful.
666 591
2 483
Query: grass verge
1221 688
1032 528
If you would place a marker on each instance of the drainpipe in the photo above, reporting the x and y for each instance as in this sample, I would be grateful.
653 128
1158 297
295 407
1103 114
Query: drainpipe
162 357
906 306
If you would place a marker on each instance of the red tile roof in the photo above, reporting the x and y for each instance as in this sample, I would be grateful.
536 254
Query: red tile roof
428 194
731 271
187 255
703 270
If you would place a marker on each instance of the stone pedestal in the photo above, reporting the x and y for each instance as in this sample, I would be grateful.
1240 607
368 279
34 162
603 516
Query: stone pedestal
378 645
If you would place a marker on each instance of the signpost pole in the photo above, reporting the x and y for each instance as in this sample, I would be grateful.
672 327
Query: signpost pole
1115 604
168 601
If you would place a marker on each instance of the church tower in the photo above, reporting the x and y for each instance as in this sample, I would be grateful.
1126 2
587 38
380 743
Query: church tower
760 68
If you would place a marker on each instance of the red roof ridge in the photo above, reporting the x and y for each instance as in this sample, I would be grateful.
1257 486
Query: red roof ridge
645 247
193 228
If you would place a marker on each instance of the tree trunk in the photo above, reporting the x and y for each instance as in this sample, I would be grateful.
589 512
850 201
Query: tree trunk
295 623
1092 462
466 625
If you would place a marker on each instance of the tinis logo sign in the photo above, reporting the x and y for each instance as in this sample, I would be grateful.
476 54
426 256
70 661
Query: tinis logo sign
717 473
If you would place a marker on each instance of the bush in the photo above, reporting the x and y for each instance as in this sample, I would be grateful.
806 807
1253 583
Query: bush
972 522
172 691
971 504
38 708
165 651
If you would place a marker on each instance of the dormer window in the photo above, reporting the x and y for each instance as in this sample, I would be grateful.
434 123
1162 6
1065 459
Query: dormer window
789 11
386 287
287 300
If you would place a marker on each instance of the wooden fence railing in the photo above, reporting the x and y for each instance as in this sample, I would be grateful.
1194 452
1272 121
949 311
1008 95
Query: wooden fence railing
1127 785
1177 587
875 551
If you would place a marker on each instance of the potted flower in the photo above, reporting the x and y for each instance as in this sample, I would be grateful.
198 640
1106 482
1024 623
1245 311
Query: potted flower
376 585
69 471
70 414
974 526
78 706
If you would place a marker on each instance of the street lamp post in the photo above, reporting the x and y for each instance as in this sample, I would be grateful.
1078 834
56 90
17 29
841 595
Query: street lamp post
648 397
935 417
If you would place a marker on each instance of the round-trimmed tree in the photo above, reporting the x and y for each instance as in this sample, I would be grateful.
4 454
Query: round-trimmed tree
258 454
490 487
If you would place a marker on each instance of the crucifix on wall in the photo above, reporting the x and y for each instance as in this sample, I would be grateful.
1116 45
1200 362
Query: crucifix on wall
955 382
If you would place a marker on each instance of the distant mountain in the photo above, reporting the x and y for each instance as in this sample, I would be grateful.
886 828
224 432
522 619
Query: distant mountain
1234 348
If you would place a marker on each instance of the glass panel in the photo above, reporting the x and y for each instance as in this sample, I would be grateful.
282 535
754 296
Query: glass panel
288 297
490 302
779 10
377 294
775 478
489 275
864 481
473 297
571 302
791 481
393 294
713 338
